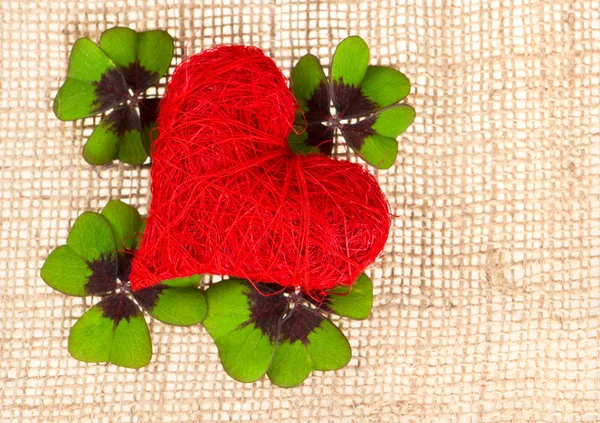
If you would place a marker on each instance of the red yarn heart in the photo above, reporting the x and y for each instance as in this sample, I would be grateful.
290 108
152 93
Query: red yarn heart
230 198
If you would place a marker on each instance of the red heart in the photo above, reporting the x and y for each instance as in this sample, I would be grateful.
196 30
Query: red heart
230 198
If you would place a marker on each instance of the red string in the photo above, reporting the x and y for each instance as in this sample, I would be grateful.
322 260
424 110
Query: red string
230 198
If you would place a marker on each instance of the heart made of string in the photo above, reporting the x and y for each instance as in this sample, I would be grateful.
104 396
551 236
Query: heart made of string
230 198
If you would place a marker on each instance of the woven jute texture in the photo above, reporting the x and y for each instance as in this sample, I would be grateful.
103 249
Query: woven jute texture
487 296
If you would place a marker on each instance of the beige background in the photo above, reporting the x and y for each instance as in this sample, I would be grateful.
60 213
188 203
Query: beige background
487 301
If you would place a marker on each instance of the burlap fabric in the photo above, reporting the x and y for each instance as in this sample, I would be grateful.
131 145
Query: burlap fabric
487 302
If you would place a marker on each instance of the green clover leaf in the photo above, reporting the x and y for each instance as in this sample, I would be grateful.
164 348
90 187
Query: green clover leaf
76 268
111 77
281 332
365 100
245 352
175 302
113 331
96 261
354 302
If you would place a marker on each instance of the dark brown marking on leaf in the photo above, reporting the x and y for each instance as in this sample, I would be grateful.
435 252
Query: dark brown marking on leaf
327 303
350 102
282 314
139 78
118 307
148 297
104 275
267 308
148 111
320 136
111 90
123 119
124 260
355 134
318 105
300 322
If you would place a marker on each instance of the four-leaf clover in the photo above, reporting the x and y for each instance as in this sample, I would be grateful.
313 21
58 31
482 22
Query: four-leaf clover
114 75
96 261
364 98
281 332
